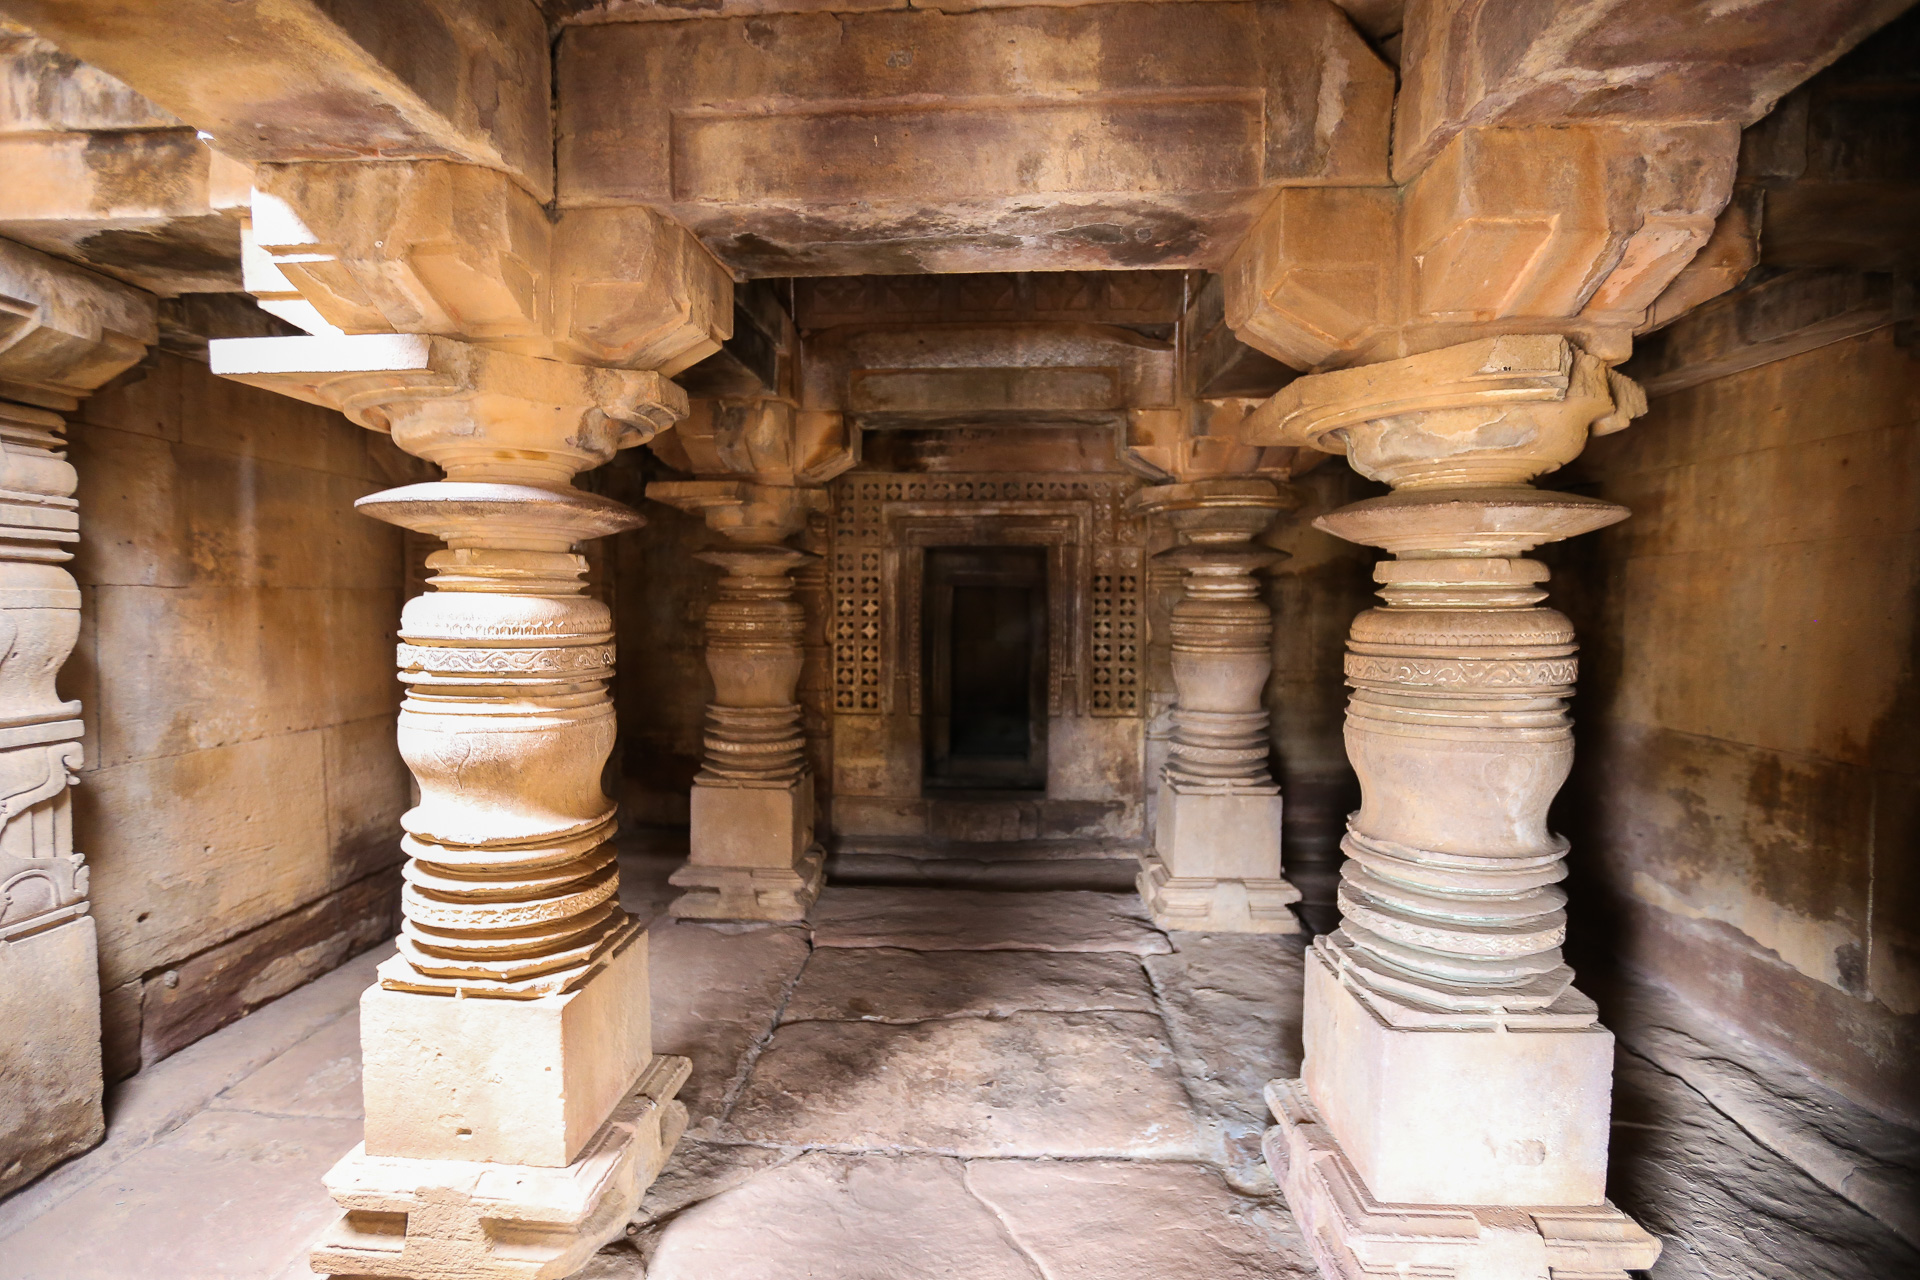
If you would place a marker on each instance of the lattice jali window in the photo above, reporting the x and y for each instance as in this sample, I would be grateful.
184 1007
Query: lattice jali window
1118 633
857 622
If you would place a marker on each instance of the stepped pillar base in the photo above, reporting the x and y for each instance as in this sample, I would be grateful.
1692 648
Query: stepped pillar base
1353 1236
752 855
479 1220
1215 865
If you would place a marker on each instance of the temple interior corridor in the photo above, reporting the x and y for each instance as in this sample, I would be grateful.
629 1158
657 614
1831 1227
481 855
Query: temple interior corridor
985 639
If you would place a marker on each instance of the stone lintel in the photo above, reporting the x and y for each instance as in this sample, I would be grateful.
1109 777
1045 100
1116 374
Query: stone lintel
1784 316
813 144
306 80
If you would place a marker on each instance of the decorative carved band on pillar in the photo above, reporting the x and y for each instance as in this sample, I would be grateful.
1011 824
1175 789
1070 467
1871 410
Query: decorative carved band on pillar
1216 860
1416 1104
752 854
63 333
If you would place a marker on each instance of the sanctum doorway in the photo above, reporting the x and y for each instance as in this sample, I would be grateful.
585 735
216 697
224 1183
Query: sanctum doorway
986 668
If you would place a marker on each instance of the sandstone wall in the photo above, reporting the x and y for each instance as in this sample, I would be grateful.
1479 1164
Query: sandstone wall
241 795
1747 793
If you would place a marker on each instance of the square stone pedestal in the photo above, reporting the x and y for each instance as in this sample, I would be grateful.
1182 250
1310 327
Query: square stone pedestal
1513 1115
751 854
1216 864
523 1082
50 1079
498 1221
1355 1236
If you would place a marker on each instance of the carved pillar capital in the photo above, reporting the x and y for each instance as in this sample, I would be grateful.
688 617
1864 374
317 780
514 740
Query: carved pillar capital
745 511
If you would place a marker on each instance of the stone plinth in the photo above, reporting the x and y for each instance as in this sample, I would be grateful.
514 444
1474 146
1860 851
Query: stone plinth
512 1081
1353 1235
493 1220
1215 862
1436 1114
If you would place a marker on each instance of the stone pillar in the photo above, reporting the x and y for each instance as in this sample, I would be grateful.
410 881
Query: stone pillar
514 1109
1453 1111
1215 862
63 332
751 852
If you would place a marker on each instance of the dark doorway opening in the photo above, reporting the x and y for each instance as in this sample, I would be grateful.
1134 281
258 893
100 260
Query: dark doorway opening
986 667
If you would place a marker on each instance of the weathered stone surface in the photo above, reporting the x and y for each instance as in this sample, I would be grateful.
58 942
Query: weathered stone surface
966 920
701 1170
828 1217
1232 1004
183 1196
232 979
297 80
1621 60
884 984
1062 1084
1763 886
319 1076
675 116
192 849
1666 1137
1069 1217
50 1061
717 990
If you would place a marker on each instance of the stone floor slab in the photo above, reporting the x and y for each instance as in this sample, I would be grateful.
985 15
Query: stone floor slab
970 920
717 991
699 1170
1126 1220
320 1076
227 1196
886 984
1034 1084
1232 1003
827 1217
